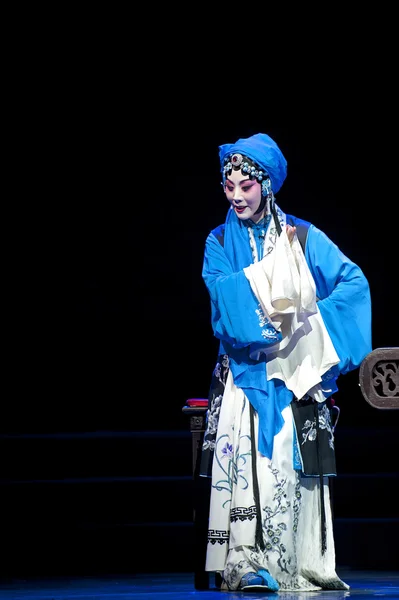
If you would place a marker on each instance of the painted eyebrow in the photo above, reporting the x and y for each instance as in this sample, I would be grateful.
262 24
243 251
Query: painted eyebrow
242 182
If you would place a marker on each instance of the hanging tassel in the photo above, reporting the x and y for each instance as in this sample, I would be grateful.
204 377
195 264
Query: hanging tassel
275 217
259 541
321 478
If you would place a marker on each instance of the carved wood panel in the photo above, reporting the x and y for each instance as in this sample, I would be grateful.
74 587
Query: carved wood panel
379 378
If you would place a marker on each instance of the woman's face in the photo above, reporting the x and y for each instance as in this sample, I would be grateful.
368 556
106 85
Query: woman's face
244 194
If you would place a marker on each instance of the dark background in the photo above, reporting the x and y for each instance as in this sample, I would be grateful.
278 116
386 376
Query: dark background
122 335
113 321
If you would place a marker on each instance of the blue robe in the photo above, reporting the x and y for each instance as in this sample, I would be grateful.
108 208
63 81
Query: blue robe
343 299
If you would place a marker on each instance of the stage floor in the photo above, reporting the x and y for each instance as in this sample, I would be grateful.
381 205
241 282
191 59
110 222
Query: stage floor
179 586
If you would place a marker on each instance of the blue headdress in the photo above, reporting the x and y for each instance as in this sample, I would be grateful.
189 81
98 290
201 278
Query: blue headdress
263 151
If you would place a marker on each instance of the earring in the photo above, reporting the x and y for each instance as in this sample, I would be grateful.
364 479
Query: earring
266 187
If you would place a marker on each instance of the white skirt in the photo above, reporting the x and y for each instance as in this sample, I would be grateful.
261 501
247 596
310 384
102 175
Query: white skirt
290 508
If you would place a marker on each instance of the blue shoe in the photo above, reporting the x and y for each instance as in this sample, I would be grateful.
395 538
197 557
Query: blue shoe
269 580
261 581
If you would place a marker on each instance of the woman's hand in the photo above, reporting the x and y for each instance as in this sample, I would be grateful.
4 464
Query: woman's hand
290 232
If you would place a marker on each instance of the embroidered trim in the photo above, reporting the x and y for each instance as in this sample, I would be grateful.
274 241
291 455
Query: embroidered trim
309 429
217 536
252 243
268 332
261 316
240 513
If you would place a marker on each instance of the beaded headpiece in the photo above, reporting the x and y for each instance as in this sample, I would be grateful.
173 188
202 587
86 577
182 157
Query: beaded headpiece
239 161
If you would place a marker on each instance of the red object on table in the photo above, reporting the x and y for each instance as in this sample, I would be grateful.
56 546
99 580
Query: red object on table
197 402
